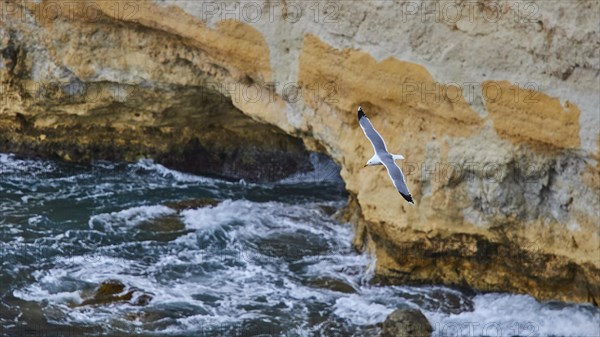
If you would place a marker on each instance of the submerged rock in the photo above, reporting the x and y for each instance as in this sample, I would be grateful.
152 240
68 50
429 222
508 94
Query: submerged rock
169 227
168 223
114 291
191 203
142 300
406 323
332 284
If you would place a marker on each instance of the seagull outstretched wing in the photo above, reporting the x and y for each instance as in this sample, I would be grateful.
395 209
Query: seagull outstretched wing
372 134
397 177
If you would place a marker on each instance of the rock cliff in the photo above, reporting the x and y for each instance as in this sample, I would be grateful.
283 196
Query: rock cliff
494 105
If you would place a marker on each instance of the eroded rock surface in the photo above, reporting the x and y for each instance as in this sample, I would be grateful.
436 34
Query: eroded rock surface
405 323
122 91
114 291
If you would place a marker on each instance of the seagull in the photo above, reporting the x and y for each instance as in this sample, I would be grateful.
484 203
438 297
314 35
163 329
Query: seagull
383 157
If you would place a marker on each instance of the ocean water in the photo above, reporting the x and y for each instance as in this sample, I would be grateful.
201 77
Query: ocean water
267 260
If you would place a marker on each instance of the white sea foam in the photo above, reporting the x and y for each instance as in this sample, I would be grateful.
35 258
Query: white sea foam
129 217
30 167
150 165
506 315
360 310
236 279
259 219
36 293
210 218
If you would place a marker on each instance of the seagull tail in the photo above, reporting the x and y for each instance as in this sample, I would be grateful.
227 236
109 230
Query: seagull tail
408 198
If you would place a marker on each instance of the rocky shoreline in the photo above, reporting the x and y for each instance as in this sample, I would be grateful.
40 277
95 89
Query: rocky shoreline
521 213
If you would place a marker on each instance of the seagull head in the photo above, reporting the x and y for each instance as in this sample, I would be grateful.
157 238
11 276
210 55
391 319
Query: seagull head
359 108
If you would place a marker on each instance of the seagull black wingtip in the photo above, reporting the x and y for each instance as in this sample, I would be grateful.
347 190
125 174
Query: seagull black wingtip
361 114
408 198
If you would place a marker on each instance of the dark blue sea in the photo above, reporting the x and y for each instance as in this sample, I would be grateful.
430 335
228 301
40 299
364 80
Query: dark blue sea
261 260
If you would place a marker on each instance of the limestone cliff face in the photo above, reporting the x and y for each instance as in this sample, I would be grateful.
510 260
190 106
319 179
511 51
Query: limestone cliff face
84 86
494 105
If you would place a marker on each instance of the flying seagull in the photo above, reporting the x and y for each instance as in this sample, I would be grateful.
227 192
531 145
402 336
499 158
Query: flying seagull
383 157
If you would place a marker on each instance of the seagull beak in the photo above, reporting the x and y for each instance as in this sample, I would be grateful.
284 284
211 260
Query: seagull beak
365 165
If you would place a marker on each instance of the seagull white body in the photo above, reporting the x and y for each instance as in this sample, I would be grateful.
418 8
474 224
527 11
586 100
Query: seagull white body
376 161
383 157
